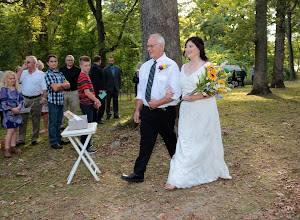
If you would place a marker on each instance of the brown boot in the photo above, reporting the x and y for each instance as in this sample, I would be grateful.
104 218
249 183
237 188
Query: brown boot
7 153
13 149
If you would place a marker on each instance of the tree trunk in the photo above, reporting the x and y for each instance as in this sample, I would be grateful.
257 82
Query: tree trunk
260 84
289 37
277 80
161 17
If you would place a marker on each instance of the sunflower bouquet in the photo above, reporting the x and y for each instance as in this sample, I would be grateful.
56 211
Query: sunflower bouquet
213 82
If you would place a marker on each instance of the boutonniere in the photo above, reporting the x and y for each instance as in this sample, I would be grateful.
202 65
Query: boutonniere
164 66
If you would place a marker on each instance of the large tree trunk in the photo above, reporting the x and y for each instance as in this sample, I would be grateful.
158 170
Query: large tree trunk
161 17
260 84
289 37
277 79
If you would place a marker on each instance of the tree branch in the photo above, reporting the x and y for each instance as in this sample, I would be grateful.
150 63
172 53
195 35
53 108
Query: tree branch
123 27
92 7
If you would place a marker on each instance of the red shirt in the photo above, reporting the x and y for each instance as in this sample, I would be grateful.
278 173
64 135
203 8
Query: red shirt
84 82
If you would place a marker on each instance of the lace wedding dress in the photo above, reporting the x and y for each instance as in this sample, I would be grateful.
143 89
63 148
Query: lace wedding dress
199 156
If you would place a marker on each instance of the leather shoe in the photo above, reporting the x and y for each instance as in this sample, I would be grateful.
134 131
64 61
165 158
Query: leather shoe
133 178
64 142
34 143
116 116
56 146
100 122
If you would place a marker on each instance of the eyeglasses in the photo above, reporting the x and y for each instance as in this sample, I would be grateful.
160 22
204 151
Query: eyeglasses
152 45
28 62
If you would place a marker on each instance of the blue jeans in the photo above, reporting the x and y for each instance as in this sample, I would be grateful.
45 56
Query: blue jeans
55 119
87 110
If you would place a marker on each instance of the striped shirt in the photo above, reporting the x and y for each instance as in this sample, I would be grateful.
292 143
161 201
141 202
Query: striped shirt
84 82
54 76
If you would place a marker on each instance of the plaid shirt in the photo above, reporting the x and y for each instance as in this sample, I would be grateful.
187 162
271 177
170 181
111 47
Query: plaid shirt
54 76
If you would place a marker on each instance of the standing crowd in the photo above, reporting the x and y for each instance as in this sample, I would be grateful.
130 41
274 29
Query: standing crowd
29 92
197 154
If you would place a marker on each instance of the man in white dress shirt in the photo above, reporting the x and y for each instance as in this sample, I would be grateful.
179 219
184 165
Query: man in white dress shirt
34 91
154 111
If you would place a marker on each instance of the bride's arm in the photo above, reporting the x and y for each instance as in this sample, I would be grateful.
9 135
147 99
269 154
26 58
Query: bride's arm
192 98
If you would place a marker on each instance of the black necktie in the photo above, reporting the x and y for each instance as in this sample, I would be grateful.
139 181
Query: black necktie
150 82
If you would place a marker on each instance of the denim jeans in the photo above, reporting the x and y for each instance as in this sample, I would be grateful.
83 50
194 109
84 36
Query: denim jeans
55 119
87 110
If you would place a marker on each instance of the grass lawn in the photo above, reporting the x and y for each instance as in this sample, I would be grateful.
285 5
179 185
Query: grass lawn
261 142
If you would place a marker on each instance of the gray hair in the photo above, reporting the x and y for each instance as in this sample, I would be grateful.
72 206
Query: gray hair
33 58
40 63
70 56
160 39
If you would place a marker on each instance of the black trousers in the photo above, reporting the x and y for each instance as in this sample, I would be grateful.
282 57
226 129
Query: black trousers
152 123
112 95
98 113
242 79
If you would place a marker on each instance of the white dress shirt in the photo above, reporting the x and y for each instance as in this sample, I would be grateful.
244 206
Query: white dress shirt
163 79
33 84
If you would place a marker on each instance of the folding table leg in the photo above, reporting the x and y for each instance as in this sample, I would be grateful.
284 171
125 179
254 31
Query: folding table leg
83 148
89 157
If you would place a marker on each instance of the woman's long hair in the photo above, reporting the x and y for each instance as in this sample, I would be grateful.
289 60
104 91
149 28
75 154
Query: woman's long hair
5 80
200 44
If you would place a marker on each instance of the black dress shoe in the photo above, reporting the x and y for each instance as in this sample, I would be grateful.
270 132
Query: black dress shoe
20 144
64 142
90 150
34 143
100 122
56 146
116 116
107 118
133 178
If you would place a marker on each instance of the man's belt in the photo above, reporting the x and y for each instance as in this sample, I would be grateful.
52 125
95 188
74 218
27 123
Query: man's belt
69 90
158 109
31 97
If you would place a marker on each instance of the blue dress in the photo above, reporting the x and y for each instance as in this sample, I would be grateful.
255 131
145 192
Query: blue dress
11 99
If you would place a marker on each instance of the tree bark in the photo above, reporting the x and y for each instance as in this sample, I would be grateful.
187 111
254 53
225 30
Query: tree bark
260 84
289 37
161 17
277 79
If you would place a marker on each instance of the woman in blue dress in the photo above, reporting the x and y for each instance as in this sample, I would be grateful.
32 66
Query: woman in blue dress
11 103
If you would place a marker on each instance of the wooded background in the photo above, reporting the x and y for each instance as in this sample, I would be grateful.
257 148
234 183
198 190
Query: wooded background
120 27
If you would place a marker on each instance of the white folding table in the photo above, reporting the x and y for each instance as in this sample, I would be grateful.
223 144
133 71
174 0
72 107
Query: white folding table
83 154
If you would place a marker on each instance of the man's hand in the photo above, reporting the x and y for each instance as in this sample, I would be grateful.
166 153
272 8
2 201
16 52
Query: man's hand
100 91
136 117
120 90
153 103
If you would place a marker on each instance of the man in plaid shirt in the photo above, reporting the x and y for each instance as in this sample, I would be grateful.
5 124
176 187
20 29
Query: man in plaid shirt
56 83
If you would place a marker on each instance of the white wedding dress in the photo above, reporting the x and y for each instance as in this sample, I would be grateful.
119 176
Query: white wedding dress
199 156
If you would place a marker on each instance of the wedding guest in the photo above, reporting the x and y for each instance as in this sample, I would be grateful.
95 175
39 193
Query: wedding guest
71 73
135 79
45 111
56 84
199 156
34 91
11 103
113 87
233 78
99 83
86 95
154 111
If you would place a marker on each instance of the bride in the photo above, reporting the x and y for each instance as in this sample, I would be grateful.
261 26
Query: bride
199 156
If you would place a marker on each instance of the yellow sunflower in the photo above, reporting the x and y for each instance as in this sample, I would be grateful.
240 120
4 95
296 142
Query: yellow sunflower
211 68
164 66
221 82
212 75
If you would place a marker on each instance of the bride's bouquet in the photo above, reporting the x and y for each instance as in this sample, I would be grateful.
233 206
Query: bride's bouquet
213 82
